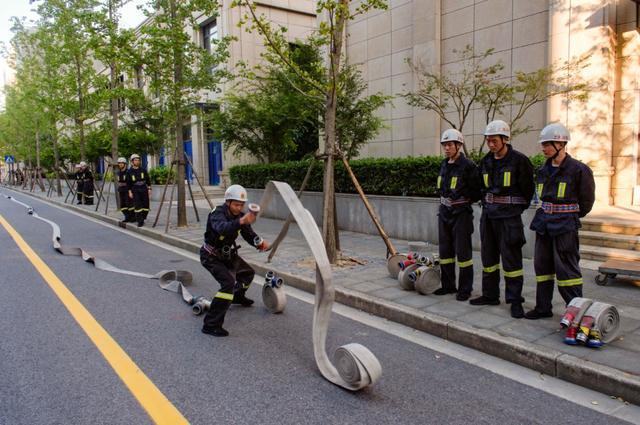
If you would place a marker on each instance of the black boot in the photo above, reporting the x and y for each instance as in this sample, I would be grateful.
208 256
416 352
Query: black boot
219 331
444 291
482 300
240 298
517 312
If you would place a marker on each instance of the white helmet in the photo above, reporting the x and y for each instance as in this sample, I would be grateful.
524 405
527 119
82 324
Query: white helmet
555 132
452 135
121 159
134 156
235 192
83 164
498 128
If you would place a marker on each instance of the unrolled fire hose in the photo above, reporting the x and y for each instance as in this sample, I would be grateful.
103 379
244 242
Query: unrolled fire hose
590 322
169 280
355 366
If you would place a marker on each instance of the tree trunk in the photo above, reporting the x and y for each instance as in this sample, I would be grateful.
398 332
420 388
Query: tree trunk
177 104
114 109
331 104
38 150
56 157
80 115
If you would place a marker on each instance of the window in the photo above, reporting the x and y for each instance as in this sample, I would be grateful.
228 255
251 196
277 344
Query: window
209 37
139 77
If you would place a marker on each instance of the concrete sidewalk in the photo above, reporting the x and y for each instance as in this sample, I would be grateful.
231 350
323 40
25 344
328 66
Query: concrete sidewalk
613 369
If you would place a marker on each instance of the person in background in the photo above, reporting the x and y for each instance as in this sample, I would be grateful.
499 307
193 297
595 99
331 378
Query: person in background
139 187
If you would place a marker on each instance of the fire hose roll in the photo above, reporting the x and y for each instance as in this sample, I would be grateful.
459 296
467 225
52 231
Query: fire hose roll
575 310
606 321
428 280
357 365
403 277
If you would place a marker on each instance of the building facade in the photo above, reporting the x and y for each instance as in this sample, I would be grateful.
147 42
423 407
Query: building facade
526 35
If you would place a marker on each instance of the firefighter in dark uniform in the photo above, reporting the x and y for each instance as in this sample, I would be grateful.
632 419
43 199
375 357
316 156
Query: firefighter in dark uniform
566 190
219 255
126 206
507 177
458 186
87 183
139 186
79 181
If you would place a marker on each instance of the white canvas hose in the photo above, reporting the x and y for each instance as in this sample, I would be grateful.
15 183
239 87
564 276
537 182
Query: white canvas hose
169 280
356 367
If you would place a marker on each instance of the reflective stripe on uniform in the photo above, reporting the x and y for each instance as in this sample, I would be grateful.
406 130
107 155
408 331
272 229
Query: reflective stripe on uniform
246 285
540 187
224 296
463 264
570 282
439 182
141 209
485 178
515 273
545 277
491 269
562 187
506 179
454 183
447 260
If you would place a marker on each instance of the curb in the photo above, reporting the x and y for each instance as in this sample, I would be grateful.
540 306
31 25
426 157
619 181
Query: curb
595 376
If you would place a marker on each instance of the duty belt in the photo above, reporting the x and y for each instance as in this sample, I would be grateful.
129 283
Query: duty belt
121 184
226 251
550 208
490 198
139 183
448 202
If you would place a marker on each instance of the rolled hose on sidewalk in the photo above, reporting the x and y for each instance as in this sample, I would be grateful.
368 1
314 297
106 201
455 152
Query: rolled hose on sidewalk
604 321
355 366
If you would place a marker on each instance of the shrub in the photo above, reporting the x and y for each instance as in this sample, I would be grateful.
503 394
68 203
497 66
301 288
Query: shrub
412 176
160 174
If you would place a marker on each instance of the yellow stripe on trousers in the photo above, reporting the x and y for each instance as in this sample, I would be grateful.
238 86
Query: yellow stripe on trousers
148 395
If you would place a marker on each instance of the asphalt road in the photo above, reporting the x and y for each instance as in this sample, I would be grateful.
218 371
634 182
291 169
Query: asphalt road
52 373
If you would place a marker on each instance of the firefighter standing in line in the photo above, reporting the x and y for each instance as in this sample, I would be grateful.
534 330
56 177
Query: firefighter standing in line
219 255
566 190
126 206
507 191
87 183
79 181
139 186
458 186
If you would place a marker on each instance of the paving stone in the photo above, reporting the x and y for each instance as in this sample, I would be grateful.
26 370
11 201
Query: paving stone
528 330
450 308
416 300
485 320
367 287
389 293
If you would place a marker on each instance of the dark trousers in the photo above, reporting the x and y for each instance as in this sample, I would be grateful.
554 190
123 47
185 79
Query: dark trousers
233 275
126 204
454 243
87 189
502 238
140 202
557 258
80 190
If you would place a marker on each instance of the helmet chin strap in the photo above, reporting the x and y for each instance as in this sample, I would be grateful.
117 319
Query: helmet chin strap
504 145
557 151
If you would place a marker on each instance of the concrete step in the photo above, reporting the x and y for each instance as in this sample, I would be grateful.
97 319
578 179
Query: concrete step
610 240
213 192
600 253
619 227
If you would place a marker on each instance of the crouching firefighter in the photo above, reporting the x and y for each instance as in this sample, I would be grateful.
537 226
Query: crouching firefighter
459 186
219 255
566 190
126 204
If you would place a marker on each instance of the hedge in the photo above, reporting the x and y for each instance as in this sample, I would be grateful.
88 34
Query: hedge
412 176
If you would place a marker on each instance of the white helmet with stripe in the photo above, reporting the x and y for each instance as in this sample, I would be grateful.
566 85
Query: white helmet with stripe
498 128
452 135
555 132
235 192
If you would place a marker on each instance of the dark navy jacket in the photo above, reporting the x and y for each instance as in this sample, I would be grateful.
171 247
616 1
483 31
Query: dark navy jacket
570 183
459 180
511 175
137 175
223 228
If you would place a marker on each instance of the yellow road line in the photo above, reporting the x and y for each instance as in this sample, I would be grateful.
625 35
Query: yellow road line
148 395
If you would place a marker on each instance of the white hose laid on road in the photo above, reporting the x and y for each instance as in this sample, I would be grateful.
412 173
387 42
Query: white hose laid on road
169 280
356 367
